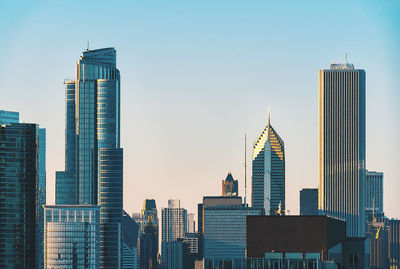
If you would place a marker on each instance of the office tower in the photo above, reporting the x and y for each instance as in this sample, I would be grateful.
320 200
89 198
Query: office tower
174 221
140 220
41 197
191 223
394 243
373 194
230 186
7 117
150 209
148 247
93 157
268 179
179 256
19 175
71 237
225 233
130 230
309 202
342 145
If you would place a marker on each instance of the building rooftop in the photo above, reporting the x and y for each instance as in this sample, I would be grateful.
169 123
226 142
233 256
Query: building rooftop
344 66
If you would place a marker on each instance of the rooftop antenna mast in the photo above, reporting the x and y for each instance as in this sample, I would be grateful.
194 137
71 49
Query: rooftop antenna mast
87 47
245 169
345 58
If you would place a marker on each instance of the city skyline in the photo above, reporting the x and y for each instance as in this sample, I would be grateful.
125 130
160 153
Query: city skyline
153 108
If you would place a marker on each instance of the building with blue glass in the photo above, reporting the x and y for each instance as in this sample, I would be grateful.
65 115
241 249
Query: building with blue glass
19 176
72 236
93 157
9 117
268 171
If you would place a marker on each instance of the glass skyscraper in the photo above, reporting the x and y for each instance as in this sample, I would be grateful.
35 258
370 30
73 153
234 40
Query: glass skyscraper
72 235
93 157
374 193
268 178
342 146
9 117
19 176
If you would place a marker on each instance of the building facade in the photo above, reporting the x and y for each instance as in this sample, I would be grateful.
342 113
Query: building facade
373 194
174 226
342 145
191 223
93 157
19 176
148 247
230 186
72 236
225 233
309 202
130 230
268 177
7 117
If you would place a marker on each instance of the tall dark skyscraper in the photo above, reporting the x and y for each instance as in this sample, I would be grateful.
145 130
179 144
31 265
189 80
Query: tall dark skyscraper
19 176
93 157
268 178
309 202
342 145
9 117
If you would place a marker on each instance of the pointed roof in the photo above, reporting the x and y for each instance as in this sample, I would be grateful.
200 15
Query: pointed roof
229 177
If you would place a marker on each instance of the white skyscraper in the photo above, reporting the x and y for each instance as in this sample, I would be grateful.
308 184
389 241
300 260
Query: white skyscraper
342 145
174 226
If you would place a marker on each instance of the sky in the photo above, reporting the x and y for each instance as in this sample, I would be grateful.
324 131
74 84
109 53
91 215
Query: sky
196 76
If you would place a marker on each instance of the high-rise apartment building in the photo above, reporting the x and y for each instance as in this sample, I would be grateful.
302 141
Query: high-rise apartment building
93 157
373 193
309 202
72 236
268 178
19 176
342 145
174 221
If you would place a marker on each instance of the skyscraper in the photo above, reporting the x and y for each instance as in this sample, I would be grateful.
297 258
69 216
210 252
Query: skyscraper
148 245
373 193
93 157
230 186
130 231
9 117
174 221
19 175
268 179
342 145
71 237
309 202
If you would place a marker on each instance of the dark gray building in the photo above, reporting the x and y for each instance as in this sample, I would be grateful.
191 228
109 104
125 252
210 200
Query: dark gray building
373 194
230 186
308 202
19 176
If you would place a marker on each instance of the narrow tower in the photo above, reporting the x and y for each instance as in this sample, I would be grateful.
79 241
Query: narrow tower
268 178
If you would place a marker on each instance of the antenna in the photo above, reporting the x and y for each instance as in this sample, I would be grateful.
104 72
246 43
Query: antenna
269 115
345 57
87 47
245 170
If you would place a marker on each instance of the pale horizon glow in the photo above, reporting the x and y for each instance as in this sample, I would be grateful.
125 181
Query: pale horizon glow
196 77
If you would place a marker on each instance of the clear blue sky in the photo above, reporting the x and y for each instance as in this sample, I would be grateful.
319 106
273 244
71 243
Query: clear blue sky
198 75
